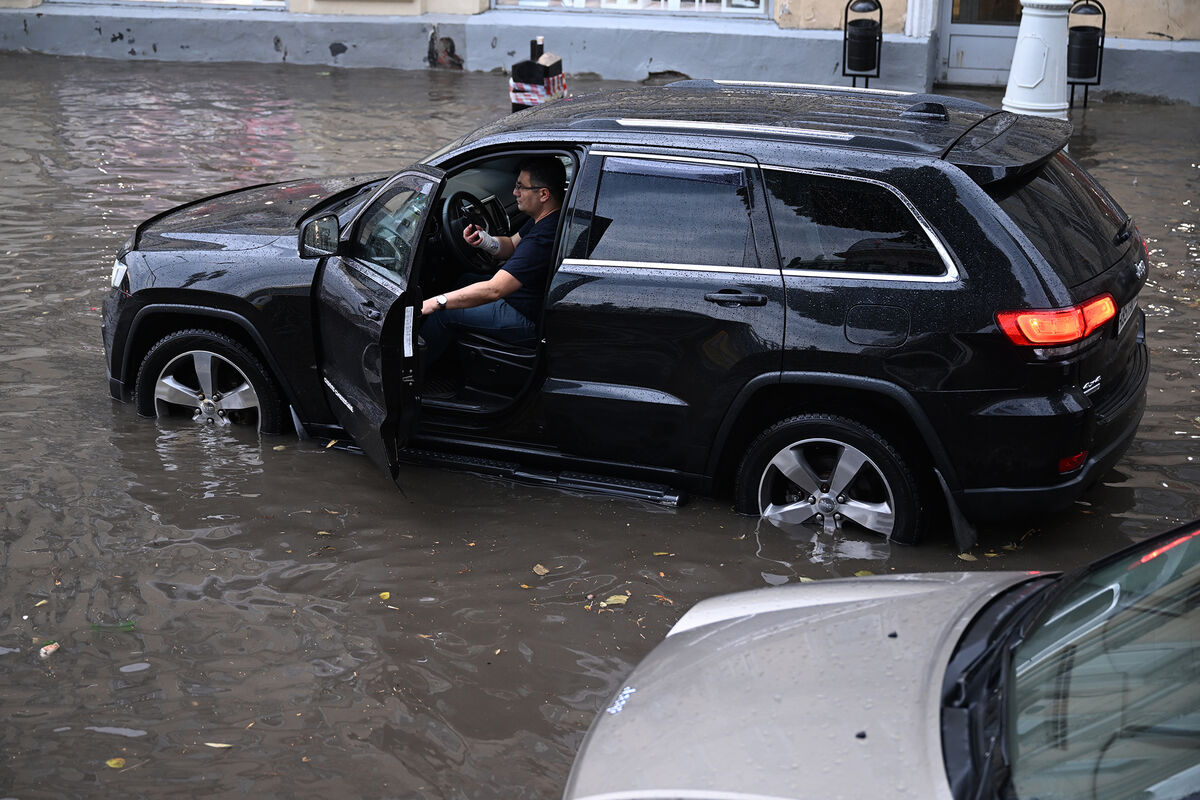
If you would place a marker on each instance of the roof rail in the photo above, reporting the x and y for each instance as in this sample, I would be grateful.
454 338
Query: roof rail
712 84
734 128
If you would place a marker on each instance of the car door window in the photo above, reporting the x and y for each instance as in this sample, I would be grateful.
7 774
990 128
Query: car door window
833 224
651 211
389 230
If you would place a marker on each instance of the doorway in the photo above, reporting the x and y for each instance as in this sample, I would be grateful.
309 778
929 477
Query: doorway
977 41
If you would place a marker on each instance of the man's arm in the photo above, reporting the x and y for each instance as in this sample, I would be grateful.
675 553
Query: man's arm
502 284
502 248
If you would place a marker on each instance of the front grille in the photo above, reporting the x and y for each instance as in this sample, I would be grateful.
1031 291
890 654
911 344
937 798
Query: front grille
1118 397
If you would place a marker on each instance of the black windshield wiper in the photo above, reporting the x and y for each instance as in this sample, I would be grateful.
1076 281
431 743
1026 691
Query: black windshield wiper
1123 233
975 690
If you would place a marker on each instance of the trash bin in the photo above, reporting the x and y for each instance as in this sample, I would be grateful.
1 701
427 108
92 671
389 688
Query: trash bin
861 52
1083 52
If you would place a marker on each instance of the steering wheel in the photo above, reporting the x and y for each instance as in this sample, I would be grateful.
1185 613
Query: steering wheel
460 210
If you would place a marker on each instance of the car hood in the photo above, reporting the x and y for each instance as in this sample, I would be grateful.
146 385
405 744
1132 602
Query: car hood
244 219
821 690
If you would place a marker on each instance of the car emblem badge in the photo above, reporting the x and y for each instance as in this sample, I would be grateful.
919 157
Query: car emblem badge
1092 385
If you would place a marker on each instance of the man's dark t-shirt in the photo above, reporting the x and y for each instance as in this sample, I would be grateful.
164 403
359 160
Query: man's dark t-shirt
530 264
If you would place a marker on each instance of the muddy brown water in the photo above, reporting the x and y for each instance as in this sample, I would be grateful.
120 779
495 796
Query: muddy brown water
253 571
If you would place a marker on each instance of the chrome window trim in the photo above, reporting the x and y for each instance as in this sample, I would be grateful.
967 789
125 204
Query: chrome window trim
950 276
586 264
732 127
660 157
827 86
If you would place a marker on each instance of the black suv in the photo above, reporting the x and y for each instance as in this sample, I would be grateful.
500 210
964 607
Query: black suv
849 307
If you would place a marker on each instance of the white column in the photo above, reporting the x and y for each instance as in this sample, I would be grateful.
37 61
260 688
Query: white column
1037 81
918 19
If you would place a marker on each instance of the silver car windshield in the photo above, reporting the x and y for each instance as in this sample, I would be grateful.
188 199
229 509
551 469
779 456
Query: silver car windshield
1105 696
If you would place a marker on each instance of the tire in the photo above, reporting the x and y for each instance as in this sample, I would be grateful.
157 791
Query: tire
235 389
877 494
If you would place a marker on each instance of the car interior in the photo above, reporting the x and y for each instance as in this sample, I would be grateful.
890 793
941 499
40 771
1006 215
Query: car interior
479 373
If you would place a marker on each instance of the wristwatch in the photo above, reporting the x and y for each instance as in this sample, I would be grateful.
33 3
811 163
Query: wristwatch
441 301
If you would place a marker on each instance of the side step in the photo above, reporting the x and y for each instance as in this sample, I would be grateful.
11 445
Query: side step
570 481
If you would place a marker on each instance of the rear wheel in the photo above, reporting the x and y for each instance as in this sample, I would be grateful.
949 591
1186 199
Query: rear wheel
829 472
210 377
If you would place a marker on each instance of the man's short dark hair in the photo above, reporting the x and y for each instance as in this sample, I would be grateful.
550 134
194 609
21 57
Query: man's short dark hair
546 171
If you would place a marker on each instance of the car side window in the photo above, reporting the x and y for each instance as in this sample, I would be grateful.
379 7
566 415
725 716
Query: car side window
833 224
390 228
666 212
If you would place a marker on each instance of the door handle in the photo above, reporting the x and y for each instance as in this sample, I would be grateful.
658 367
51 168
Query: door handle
732 297
370 311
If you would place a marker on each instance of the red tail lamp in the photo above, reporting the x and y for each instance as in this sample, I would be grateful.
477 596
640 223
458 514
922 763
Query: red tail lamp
1057 326
1068 464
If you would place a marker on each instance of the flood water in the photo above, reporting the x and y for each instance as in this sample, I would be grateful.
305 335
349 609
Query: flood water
219 601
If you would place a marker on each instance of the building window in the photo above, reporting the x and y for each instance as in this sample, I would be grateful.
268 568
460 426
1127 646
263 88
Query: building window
683 7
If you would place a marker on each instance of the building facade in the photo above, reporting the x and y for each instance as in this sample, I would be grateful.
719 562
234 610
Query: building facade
1152 47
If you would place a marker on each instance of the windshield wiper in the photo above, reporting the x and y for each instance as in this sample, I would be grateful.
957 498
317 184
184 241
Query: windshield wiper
975 690
1123 232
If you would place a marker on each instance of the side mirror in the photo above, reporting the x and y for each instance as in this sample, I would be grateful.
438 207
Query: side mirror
319 238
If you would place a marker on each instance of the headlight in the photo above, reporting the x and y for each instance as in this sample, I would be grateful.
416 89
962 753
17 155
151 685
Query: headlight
118 278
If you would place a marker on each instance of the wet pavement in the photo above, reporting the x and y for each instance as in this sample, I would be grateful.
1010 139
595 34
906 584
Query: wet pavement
275 618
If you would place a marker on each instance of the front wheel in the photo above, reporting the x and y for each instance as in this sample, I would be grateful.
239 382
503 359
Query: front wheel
832 472
210 377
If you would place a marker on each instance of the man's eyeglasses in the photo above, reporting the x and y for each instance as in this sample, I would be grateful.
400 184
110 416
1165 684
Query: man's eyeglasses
519 188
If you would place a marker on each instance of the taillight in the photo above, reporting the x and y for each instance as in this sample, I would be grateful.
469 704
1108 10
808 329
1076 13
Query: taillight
1071 463
1057 326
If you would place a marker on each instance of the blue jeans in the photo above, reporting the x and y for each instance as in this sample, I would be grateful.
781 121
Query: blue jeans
496 319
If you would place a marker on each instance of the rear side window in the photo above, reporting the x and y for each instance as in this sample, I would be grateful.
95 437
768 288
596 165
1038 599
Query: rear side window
1069 218
832 224
670 212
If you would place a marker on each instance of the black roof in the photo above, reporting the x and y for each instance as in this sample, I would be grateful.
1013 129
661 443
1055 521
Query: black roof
988 143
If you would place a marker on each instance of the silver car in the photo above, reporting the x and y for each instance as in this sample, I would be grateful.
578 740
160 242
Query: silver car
950 685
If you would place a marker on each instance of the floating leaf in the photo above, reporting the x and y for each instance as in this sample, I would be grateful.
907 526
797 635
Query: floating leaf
115 763
124 626
666 601
525 586
385 595
218 745
967 557
804 579
990 555
40 603
616 600
661 553
280 447
862 573
332 442
324 533
538 569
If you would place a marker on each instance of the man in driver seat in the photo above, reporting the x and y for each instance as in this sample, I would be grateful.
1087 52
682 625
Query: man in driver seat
507 305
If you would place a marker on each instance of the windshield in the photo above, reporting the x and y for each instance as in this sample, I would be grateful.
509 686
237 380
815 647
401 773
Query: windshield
1105 690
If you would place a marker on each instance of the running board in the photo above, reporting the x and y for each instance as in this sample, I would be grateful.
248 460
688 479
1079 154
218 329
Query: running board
570 481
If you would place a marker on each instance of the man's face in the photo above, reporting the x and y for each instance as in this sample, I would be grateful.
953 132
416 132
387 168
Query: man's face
528 200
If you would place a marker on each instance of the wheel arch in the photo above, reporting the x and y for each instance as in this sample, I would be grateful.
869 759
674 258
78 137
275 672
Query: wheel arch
157 320
885 407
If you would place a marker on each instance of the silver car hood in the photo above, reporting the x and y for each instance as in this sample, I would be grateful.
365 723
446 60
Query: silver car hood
820 690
